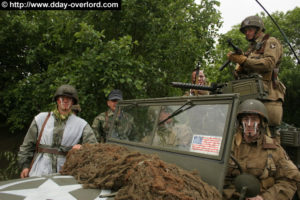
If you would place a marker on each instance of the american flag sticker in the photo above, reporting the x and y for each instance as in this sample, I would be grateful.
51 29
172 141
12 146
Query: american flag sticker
206 144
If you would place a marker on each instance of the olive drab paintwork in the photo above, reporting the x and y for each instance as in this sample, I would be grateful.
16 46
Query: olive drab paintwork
200 118
184 138
56 187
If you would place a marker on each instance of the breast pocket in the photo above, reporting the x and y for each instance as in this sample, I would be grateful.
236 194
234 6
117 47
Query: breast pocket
255 167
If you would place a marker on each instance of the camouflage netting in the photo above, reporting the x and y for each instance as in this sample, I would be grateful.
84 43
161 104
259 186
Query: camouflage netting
134 175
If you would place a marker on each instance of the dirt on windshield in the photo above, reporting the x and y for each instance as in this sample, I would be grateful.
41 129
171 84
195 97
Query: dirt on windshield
134 175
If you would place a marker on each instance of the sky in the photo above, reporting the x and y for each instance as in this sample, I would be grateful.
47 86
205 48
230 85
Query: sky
235 11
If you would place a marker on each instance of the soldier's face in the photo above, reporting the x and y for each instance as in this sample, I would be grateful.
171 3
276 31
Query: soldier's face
64 104
251 127
164 115
250 33
201 78
112 104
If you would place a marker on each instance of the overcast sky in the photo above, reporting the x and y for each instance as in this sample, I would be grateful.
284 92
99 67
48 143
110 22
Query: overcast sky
234 11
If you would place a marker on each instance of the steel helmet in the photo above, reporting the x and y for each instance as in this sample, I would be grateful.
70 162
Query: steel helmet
253 106
252 21
66 90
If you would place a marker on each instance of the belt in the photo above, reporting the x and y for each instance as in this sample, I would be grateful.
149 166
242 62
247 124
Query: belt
52 151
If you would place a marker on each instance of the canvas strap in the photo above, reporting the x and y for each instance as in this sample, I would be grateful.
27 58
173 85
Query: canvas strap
39 139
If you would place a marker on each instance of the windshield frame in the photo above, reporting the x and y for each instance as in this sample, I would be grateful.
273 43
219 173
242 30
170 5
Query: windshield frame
210 167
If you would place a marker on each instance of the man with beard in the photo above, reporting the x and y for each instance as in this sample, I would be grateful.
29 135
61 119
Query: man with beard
51 135
256 153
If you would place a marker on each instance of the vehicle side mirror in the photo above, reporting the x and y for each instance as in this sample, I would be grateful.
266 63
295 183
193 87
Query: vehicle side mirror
247 185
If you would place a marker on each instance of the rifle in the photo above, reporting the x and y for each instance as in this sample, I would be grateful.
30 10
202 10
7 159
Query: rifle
214 88
236 51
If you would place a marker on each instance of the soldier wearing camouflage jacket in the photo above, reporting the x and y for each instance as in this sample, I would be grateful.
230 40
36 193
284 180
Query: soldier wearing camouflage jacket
101 125
60 131
102 122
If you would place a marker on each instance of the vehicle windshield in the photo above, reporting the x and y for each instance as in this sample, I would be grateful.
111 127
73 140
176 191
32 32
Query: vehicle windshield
197 128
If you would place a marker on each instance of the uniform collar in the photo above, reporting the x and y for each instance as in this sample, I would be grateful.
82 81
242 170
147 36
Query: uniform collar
259 39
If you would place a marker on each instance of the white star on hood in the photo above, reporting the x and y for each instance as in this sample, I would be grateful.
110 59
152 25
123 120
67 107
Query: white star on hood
49 190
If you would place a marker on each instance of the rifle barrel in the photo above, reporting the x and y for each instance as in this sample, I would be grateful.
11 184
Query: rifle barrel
192 86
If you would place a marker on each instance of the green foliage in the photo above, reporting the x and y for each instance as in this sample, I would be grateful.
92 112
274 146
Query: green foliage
139 50
9 166
289 69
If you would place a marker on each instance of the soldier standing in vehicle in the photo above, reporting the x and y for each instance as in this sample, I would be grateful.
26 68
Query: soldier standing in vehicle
198 78
262 57
260 155
51 135
102 122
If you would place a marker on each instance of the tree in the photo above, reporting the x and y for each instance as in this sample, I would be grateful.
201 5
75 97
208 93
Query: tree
139 50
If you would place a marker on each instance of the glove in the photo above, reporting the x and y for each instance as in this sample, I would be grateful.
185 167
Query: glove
240 59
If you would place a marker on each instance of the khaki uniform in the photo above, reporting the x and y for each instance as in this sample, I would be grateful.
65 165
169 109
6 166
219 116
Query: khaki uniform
27 149
102 124
268 162
263 57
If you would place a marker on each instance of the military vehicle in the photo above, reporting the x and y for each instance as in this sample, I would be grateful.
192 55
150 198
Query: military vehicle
252 88
195 133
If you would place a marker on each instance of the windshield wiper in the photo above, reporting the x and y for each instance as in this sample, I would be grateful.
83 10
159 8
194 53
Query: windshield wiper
178 111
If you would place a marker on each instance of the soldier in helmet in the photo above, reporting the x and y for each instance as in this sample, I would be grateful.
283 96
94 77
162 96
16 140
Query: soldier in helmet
258 154
51 135
102 122
263 58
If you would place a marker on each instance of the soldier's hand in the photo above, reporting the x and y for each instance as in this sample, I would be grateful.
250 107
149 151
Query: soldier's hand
239 59
76 146
24 173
